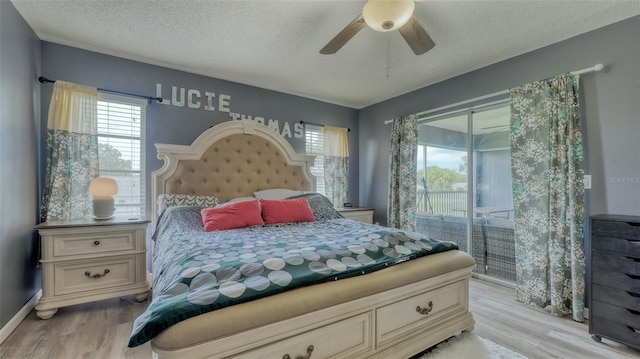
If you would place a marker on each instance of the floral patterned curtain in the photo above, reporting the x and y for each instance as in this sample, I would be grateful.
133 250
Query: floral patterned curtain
401 212
548 195
72 152
336 164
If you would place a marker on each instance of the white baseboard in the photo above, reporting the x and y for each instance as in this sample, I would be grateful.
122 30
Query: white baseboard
511 285
498 281
13 323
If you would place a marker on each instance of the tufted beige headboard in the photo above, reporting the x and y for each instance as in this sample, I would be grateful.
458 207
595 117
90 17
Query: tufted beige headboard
232 159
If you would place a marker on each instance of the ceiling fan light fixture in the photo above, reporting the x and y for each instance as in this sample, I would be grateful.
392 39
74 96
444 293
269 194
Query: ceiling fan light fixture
387 15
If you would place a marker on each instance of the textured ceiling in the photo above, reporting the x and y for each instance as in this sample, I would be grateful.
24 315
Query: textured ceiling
275 44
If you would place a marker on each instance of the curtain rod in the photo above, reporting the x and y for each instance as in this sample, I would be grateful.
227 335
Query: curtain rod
317 124
595 68
45 80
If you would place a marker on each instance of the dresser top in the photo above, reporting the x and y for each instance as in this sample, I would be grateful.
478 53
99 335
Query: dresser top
90 222
617 218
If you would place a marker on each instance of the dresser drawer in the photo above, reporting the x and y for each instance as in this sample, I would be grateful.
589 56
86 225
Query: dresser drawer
619 297
606 262
401 318
615 323
77 243
87 275
339 340
615 280
625 246
615 229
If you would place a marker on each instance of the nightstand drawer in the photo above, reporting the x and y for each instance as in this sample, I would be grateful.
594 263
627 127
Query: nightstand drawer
357 214
85 243
87 275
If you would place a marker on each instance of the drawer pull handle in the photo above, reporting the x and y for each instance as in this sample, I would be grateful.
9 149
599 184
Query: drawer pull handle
97 243
425 310
97 275
309 352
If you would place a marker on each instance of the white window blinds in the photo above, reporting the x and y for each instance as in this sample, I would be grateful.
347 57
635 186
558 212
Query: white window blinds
121 153
314 141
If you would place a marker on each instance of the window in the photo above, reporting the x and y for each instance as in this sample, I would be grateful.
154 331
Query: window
121 130
314 141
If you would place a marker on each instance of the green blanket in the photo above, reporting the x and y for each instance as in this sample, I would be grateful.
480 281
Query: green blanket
198 272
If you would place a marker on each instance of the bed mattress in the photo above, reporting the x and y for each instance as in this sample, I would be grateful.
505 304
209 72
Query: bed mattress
198 272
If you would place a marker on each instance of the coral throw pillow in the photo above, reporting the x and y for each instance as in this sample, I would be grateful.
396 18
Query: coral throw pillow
286 211
232 215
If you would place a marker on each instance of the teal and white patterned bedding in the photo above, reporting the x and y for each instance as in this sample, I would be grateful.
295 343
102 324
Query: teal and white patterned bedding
196 272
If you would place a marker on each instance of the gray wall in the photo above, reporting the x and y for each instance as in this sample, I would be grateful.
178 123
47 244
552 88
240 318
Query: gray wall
611 115
19 116
181 125
611 100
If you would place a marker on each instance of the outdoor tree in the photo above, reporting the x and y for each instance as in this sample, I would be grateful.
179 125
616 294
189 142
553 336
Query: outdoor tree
111 158
463 166
442 179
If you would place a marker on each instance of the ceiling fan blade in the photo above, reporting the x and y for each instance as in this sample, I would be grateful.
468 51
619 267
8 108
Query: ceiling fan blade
416 36
343 36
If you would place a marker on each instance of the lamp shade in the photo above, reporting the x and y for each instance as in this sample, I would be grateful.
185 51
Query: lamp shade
103 187
387 15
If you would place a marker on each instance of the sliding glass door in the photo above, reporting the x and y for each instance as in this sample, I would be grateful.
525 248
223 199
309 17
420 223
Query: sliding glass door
464 185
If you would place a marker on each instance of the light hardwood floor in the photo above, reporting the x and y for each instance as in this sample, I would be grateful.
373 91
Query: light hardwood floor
101 330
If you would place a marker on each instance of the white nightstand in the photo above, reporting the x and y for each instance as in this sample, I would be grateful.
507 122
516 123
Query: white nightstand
357 214
88 260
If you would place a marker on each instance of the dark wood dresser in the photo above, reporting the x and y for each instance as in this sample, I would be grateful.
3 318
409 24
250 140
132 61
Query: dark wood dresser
614 301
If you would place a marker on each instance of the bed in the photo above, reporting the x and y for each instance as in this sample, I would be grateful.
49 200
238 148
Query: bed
375 293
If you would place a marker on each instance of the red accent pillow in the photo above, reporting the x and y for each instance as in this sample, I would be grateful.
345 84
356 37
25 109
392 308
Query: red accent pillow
286 210
232 215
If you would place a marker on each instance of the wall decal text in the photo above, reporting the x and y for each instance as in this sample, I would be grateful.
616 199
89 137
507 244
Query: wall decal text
195 99
285 131
206 100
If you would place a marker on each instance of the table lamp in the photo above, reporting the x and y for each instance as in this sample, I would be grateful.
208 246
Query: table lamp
103 189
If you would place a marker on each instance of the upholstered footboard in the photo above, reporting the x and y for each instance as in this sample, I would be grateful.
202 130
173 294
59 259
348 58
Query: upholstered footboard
396 322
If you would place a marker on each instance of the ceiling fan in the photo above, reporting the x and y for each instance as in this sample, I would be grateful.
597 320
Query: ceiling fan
385 16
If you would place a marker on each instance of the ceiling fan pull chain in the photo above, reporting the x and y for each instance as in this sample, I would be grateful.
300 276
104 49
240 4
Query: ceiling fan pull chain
388 52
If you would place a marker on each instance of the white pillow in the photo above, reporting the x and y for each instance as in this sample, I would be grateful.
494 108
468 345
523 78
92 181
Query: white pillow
276 193
236 200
